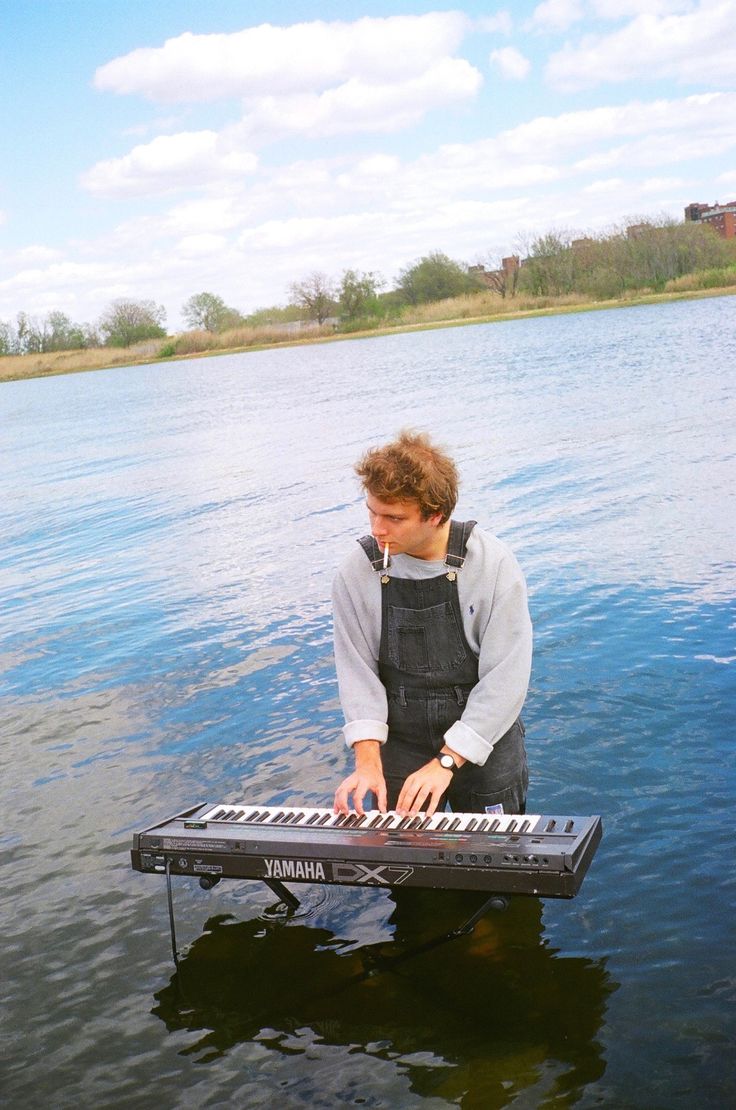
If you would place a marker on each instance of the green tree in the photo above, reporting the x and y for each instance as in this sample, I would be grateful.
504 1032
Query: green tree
549 267
317 294
209 312
60 334
126 322
435 277
357 295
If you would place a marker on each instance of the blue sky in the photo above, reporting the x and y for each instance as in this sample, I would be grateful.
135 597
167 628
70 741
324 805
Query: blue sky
158 149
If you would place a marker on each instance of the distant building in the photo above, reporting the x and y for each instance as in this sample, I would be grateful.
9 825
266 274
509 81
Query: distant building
501 281
721 217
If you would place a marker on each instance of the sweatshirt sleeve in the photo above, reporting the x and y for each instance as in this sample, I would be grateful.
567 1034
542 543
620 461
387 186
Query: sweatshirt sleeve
497 616
356 605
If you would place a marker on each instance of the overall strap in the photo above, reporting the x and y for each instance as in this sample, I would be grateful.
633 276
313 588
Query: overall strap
458 542
373 551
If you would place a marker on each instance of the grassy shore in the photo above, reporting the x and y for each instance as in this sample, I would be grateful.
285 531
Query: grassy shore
481 308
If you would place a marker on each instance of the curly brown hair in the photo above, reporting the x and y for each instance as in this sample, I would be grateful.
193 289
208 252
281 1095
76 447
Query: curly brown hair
411 469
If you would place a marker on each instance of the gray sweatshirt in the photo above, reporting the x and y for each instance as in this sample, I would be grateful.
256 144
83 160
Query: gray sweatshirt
493 602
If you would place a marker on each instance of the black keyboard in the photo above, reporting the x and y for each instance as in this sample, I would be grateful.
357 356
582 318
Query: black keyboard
545 855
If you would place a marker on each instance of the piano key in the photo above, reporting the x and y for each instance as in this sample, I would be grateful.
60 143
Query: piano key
327 819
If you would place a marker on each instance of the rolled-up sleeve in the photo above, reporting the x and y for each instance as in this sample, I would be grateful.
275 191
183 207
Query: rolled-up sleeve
503 630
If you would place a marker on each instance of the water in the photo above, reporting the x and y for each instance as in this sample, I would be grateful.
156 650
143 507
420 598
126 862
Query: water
169 535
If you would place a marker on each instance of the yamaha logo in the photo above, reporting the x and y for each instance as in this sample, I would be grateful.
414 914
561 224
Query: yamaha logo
295 869
314 871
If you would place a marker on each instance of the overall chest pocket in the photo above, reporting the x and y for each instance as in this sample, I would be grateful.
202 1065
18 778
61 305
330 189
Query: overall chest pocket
425 640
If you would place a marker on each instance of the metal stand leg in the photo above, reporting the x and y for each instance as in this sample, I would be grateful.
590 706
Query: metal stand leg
172 926
495 902
283 893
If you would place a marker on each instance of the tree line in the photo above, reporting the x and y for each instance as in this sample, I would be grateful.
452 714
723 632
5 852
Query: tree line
646 255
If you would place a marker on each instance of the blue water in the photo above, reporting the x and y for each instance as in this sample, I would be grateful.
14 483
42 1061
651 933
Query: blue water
168 539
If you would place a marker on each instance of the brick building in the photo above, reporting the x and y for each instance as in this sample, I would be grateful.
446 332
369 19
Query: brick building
721 217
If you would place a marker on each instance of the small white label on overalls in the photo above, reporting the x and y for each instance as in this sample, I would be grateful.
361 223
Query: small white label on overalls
498 808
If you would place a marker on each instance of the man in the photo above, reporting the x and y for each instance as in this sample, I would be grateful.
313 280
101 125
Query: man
433 646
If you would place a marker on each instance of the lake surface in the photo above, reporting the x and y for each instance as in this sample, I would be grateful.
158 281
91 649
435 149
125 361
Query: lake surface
169 535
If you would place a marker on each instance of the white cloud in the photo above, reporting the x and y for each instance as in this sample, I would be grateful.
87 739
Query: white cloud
727 178
169 162
314 80
662 184
499 24
201 246
511 62
707 117
624 9
695 46
285 60
556 15
204 215
36 253
359 106
154 126
608 185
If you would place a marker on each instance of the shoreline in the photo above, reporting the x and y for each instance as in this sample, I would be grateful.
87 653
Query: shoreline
108 361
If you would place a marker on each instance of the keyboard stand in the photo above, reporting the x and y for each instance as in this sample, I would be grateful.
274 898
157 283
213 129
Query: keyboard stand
494 902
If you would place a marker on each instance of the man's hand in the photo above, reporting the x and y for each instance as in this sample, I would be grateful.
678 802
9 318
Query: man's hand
366 778
423 789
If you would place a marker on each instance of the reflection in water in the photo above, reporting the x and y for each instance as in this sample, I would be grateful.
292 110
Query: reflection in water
493 1013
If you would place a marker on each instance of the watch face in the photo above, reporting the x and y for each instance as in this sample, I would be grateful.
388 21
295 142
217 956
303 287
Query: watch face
447 762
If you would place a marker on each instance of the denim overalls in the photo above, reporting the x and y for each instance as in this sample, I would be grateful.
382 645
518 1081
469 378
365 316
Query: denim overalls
428 669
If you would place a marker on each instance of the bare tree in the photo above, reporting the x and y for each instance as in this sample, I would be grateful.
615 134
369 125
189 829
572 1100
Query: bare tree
317 294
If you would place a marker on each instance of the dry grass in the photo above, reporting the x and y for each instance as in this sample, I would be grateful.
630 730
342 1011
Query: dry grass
264 335
722 278
476 306
13 367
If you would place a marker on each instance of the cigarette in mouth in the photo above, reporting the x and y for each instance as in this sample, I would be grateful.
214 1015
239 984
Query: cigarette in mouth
385 557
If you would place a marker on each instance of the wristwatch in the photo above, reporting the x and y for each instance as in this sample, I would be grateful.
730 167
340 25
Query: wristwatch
448 762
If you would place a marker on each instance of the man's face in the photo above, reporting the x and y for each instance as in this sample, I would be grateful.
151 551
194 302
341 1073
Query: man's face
400 525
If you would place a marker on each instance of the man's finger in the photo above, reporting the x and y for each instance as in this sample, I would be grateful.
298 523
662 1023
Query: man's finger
341 795
358 796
